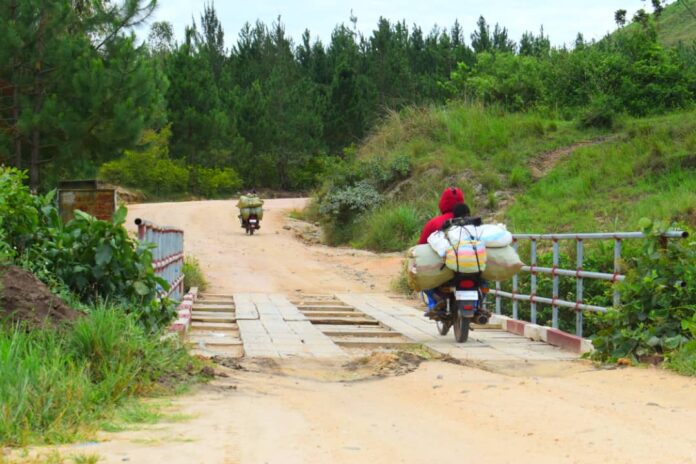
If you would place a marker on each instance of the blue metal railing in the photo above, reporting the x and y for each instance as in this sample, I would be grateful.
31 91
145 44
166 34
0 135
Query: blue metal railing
167 256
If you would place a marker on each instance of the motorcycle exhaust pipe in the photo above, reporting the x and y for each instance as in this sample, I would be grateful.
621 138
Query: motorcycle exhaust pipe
481 319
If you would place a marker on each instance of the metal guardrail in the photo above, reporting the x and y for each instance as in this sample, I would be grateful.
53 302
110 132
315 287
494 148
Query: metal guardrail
167 256
579 273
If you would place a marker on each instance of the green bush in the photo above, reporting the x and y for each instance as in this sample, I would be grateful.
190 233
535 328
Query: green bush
684 360
19 212
99 260
54 384
149 169
193 275
213 182
659 293
390 228
343 204
94 259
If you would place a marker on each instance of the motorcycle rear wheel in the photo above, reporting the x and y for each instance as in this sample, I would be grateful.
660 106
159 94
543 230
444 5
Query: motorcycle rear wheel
461 328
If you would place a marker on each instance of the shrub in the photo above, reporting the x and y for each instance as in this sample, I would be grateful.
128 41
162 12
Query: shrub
193 275
98 260
684 360
659 294
148 168
213 182
600 114
19 215
390 228
344 203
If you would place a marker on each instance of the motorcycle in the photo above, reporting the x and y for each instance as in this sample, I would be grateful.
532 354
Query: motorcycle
465 297
251 224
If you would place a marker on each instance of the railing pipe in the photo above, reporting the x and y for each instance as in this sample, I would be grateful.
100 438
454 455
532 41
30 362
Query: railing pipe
554 292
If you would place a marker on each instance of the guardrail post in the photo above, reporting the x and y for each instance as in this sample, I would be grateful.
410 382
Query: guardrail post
533 279
617 271
578 288
515 288
554 296
497 297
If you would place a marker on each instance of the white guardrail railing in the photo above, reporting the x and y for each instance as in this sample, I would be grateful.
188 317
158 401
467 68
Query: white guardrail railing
167 256
579 306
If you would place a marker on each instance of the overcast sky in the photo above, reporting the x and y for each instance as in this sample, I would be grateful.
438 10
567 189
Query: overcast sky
562 20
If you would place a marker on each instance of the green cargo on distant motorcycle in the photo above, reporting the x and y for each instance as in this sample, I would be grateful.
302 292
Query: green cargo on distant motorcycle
249 201
246 212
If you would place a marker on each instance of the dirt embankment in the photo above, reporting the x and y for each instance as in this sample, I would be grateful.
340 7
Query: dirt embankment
24 298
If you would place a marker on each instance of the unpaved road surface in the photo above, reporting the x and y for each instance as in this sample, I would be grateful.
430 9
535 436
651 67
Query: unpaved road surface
300 411
270 261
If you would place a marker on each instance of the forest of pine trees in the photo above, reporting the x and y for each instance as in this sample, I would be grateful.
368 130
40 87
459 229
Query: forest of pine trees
79 93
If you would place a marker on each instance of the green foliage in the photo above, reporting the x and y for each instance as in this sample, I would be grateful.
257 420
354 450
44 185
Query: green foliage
96 260
389 228
56 385
684 360
214 182
84 89
658 295
19 216
647 171
343 204
193 275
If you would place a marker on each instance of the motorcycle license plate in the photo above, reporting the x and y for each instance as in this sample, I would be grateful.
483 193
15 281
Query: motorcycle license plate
468 295
252 221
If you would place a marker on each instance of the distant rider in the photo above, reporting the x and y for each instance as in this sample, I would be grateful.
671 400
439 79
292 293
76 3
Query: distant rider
450 196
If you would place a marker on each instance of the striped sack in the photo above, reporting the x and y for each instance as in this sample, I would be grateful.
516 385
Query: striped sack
462 258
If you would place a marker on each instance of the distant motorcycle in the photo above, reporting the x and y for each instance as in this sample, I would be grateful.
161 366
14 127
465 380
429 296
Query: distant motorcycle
251 224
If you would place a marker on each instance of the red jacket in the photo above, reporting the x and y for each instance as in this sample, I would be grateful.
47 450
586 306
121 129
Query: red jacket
450 197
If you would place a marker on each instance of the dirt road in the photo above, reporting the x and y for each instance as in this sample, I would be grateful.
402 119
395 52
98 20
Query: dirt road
270 261
311 412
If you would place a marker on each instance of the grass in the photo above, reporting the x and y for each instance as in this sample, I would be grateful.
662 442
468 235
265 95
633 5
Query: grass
647 168
684 361
676 24
193 275
58 385
649 172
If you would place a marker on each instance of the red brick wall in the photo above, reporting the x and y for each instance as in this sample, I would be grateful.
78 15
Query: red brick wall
99 203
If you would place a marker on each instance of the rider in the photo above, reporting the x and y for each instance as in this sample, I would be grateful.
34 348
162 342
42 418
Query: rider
437 301
450 196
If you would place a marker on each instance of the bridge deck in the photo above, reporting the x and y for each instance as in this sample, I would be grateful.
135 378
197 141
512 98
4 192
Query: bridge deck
271 326
483 344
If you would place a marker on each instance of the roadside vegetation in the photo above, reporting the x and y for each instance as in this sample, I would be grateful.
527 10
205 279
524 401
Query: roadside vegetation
66 367
193 275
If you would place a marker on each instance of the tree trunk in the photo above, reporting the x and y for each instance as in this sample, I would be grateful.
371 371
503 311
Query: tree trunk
39 90
34 166
17 136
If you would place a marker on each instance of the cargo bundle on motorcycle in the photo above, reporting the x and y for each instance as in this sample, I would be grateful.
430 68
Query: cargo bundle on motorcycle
250 212
465 249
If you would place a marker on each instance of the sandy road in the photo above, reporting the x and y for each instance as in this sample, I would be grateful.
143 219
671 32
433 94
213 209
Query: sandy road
270 261
311 412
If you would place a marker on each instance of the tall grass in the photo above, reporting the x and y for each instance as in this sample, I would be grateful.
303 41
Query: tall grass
55 384
389 228
193 275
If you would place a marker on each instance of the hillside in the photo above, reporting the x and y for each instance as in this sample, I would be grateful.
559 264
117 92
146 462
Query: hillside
676 24
537 174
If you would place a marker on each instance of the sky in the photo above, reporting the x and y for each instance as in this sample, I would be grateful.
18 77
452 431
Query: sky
562 20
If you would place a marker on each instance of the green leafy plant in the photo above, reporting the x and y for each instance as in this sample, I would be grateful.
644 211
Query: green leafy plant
659 294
